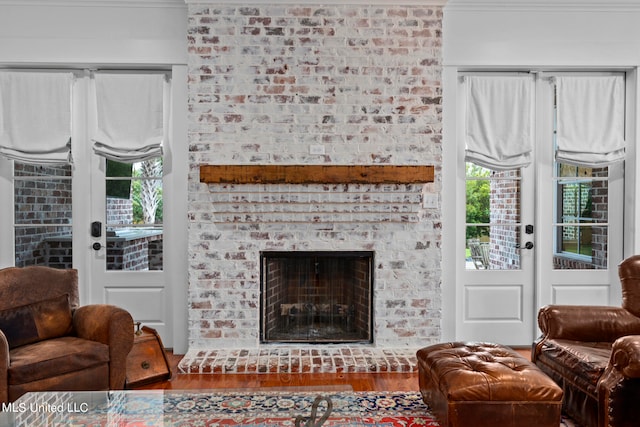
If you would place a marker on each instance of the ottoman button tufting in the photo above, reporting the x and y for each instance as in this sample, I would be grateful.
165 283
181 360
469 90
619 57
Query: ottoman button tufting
486 384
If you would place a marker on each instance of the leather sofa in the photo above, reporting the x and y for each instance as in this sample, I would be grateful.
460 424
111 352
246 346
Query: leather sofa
593 353
48 342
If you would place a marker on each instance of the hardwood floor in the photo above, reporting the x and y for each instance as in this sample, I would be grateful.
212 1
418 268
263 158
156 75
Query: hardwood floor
404 381
357 382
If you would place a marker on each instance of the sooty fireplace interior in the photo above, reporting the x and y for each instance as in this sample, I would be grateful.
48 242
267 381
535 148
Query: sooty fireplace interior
316 297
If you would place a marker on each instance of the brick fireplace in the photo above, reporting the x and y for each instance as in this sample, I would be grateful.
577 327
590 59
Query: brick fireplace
313 85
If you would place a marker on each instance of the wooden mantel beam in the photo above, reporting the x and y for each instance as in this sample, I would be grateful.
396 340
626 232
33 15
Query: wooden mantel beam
316 174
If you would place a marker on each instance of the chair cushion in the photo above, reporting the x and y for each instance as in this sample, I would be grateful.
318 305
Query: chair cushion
50 358
583 362
37 321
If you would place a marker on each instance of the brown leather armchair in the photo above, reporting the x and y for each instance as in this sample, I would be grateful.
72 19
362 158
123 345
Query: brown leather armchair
593 353
48 342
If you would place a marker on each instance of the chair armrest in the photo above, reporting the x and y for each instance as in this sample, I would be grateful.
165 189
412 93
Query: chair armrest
625 356
109 325
587 323
618 388
4 368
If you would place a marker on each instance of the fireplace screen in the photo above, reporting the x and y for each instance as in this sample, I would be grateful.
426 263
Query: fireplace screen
316 297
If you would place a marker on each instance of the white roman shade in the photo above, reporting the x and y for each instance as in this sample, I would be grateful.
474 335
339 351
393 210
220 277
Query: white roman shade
130 116
499 121
590 120
35 116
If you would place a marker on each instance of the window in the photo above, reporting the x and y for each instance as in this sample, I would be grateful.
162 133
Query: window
493 218
43 215
581 232
581 200
134 215
42 189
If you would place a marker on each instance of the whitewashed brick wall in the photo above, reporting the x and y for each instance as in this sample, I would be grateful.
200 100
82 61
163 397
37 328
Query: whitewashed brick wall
273 84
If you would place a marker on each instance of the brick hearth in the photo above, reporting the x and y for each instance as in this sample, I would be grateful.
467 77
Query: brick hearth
298 360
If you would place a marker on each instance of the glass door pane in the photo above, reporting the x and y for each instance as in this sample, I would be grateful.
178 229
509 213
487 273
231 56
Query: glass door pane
43 215
492 218
581 217
134 215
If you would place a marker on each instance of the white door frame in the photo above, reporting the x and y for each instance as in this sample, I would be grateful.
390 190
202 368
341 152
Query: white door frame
7 245
176 170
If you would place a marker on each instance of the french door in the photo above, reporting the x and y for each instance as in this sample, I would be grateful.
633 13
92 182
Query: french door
92 215
126 255
545 233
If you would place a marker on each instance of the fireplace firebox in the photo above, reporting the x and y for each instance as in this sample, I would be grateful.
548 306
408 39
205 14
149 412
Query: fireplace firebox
316 297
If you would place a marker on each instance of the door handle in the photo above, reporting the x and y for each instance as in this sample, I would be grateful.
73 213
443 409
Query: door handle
527 245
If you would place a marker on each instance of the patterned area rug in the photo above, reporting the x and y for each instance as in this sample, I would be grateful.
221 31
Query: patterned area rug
265 409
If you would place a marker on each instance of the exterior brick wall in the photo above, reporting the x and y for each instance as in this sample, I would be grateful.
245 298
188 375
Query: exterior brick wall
48 201
40 203
600 212
274 84
119 211
505 208
596 236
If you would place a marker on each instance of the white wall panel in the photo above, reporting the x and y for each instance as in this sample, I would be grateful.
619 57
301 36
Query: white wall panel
96 34
541 34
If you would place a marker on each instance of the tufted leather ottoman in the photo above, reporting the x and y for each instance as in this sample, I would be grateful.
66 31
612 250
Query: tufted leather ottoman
483 384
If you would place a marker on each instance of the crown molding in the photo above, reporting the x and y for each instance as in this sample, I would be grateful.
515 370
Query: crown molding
96 3
544 5
465 5
391 3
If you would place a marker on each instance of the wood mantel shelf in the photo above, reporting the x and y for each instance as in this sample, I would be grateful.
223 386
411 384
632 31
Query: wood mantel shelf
316 174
